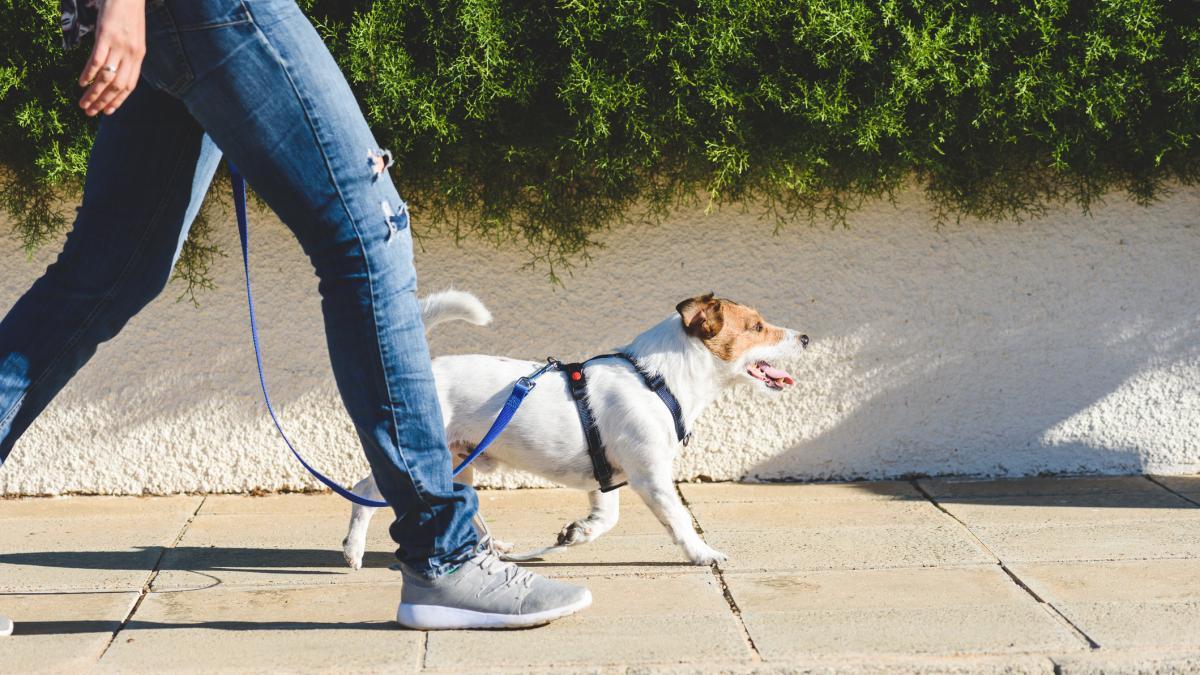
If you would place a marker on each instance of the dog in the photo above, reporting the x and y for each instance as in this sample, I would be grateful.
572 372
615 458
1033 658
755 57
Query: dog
706 346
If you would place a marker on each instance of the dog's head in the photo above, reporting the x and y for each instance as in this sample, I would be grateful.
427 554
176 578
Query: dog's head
742 341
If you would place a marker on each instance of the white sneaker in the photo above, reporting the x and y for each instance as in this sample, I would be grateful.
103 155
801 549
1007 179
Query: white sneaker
6 626
486 592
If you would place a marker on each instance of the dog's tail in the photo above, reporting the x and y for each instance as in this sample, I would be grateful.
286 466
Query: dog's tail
452 305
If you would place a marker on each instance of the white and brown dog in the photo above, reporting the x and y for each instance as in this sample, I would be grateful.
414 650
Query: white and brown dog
711 344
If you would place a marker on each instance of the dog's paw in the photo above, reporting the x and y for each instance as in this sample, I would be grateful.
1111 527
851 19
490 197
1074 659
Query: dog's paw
578 532
353 553
706 556
502 547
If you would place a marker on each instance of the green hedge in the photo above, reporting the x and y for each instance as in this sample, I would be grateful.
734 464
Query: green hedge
545 122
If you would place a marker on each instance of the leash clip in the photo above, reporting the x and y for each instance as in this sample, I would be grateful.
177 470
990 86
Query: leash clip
527 383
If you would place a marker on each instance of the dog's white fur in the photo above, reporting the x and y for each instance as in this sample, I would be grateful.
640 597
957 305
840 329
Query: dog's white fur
545 438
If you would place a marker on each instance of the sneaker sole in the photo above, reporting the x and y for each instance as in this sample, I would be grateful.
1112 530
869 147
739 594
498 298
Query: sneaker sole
434 617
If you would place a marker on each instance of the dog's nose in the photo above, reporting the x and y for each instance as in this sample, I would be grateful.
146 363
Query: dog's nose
804 341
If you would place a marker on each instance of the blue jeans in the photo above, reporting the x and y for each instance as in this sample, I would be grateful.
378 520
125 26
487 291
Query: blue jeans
252 79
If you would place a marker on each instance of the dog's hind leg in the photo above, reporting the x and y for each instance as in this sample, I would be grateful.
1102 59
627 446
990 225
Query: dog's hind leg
606 508
355 542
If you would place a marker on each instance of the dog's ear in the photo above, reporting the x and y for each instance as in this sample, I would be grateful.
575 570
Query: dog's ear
701 316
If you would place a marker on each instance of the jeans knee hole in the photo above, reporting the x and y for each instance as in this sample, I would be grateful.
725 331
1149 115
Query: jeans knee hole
380 160
396 219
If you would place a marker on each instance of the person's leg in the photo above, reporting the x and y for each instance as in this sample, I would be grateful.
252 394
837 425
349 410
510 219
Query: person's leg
257 77
147 174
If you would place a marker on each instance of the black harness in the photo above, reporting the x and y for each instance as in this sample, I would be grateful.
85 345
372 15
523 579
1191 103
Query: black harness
577 383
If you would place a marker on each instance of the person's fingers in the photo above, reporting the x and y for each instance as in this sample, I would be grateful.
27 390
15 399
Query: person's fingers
116 102
95 62
110 94
104 81
123 87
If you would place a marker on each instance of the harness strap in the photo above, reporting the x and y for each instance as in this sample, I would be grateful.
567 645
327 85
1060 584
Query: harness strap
577 383
658 385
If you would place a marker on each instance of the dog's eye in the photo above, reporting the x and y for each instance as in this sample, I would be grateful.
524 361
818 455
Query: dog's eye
758 327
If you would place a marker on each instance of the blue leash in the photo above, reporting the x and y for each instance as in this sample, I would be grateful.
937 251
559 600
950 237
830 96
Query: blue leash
520 390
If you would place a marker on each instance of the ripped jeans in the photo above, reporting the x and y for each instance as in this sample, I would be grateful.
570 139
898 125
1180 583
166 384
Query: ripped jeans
253 80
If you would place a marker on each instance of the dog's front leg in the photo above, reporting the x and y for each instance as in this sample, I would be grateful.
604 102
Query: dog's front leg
606 507
659 493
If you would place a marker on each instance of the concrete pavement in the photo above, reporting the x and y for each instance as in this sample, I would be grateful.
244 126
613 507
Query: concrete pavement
1047 575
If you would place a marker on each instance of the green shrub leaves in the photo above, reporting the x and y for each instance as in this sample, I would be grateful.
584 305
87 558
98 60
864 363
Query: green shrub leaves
542 123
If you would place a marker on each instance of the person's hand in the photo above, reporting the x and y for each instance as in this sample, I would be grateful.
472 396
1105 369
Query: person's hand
112 71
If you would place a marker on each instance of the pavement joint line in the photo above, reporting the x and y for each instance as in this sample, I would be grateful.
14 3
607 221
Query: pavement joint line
755 656
423 653
150 579
1168 489
1047 606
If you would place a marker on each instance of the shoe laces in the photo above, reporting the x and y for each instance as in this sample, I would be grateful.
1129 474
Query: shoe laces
488 559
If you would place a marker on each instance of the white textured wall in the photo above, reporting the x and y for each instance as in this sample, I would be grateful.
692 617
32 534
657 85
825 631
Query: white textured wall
1066 344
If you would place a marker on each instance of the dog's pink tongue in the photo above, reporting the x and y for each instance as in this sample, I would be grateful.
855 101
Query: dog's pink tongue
777 374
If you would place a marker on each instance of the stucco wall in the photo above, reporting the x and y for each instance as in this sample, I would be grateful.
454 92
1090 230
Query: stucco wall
1065 344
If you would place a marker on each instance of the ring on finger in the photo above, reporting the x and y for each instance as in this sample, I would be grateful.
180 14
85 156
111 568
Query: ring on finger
109 68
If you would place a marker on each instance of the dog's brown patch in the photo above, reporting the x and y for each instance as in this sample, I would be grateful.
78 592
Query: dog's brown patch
727 328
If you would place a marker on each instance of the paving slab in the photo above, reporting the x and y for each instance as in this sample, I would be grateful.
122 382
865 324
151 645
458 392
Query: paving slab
1105 662
609 555
291 504
909 611
1188 486
759 516
61 632
701 493
1118 518
873 664
296 540
341 629
531 519
1058 501
635 620
66 544
954 488
272 549
528 512
1141 540
1103 507
820 534
55 508
1150 603
943 544
541 514
830 578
